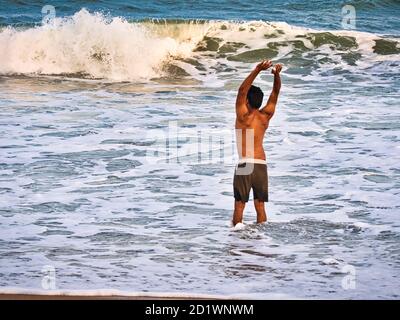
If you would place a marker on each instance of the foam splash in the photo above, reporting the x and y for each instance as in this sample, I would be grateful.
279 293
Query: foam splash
239 226
90 45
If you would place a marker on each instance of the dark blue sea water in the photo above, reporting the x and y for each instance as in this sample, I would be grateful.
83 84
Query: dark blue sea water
377 16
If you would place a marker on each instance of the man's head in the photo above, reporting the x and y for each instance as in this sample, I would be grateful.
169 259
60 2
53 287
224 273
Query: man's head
255 97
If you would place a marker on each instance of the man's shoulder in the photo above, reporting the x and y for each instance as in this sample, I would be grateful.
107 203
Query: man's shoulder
262 117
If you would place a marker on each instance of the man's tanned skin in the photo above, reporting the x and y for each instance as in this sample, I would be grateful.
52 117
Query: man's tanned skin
257 120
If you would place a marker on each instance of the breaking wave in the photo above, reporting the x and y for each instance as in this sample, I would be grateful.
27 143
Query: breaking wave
91 45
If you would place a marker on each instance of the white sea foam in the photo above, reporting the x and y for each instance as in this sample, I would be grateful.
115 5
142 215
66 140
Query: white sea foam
239 226
91 44
95 46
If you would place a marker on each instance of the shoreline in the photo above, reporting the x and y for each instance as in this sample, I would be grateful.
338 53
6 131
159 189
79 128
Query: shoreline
104 295
21 296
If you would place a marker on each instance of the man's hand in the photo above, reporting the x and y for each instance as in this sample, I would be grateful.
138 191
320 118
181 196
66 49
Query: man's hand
277 69
264 65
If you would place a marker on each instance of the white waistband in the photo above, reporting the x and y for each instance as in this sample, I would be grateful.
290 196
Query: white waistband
251 160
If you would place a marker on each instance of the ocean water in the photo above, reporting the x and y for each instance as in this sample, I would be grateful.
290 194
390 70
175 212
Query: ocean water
117 150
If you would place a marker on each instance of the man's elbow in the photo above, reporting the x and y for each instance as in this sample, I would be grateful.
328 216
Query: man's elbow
242 90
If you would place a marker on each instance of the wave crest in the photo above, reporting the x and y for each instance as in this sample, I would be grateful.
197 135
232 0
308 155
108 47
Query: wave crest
91 45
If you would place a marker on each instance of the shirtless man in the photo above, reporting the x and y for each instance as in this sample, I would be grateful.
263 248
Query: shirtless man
251 124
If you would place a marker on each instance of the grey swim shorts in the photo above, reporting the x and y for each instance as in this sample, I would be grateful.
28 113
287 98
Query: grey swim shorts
255 177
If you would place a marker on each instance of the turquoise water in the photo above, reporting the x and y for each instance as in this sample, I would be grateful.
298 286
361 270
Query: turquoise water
372 15
117 150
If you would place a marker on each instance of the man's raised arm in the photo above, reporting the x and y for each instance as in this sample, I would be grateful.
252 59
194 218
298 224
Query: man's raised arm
269 108
241 107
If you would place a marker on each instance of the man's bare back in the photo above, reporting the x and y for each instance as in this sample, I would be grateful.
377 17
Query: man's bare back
255 124
251 125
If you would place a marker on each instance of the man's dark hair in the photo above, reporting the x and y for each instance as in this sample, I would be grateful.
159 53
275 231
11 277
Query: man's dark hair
255 97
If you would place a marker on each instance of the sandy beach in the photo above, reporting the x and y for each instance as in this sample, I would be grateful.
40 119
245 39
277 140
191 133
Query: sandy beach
4 296
17 294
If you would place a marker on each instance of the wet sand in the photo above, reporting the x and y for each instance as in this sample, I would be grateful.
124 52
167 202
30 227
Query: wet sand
80 297
105 296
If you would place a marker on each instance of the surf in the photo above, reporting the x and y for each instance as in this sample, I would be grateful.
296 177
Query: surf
96 46
90 45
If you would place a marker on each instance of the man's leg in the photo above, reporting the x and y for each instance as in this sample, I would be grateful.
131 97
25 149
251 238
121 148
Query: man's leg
238 213
241 190
260 209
